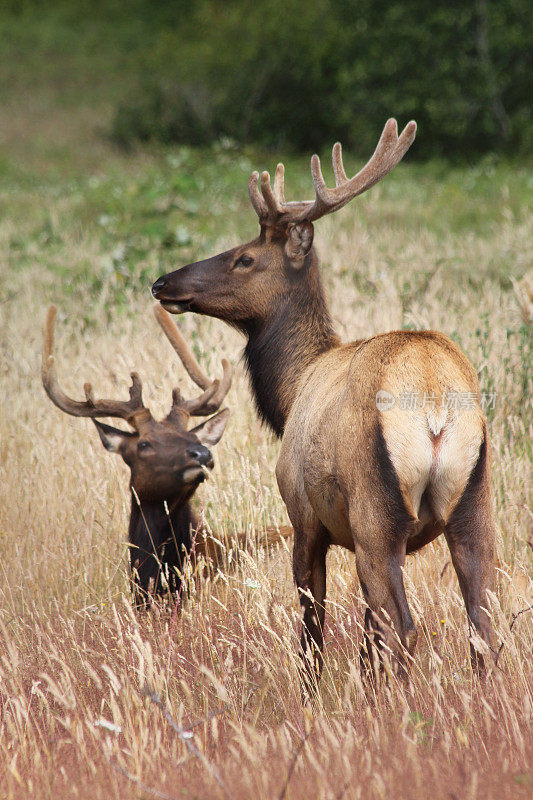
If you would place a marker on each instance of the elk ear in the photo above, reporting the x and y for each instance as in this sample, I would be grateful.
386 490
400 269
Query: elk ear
299 242
112 438
210 432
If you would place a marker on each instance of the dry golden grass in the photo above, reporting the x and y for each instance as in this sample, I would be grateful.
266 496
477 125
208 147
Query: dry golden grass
75 661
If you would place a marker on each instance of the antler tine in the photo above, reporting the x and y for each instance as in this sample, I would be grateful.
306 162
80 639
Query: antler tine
214 391
91 407
203 405
275 208
256 198
405 141
136 390
338 166
223 386
181 347
272 208
211 400
279 183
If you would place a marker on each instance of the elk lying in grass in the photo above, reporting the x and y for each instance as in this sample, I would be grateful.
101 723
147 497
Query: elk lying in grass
167 462
379 481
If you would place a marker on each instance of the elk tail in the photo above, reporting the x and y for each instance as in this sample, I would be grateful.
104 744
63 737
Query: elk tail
436 417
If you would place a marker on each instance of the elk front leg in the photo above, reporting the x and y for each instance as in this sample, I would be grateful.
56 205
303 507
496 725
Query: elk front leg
309 565
388 617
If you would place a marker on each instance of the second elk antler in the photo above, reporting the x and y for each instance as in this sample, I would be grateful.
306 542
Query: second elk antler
90 407
214 391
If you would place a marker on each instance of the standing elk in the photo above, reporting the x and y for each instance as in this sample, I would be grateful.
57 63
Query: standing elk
380 479
167 463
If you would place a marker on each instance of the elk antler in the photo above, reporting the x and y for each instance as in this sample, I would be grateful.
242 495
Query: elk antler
124 409
214 391
272 208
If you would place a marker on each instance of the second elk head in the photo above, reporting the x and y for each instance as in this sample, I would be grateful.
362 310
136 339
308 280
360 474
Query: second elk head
167 460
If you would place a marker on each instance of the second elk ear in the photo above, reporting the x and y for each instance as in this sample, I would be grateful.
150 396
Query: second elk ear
210 432
112 438
299 242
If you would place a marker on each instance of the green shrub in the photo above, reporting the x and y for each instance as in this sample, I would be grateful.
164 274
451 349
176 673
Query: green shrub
166 113
291 73
297 74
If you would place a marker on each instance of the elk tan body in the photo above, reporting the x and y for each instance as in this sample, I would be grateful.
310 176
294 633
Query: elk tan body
344 464
379 478
433 447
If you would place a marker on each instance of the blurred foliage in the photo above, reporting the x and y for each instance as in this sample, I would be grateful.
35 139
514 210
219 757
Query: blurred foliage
299 74
295 74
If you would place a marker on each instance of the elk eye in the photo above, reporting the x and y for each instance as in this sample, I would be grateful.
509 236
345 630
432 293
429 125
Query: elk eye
244 261
144 446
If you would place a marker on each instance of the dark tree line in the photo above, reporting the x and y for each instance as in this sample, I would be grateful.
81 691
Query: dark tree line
302 73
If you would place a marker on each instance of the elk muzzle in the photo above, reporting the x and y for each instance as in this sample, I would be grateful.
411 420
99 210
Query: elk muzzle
161 289
186 288
201 457
176 290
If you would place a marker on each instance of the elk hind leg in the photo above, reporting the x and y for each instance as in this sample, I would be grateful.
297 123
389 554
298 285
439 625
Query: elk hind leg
470 534
309 565
389 627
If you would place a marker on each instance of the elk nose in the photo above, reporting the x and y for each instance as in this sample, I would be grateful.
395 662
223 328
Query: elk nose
201 454
158 286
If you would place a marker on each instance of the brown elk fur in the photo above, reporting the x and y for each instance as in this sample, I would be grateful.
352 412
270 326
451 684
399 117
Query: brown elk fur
379 482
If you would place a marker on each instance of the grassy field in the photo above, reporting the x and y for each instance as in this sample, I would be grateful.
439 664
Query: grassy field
89 229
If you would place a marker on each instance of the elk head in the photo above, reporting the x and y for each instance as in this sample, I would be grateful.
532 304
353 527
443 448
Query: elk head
167 461
244 285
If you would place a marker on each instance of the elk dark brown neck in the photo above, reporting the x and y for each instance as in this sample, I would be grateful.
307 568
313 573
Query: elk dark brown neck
160 540
281 347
